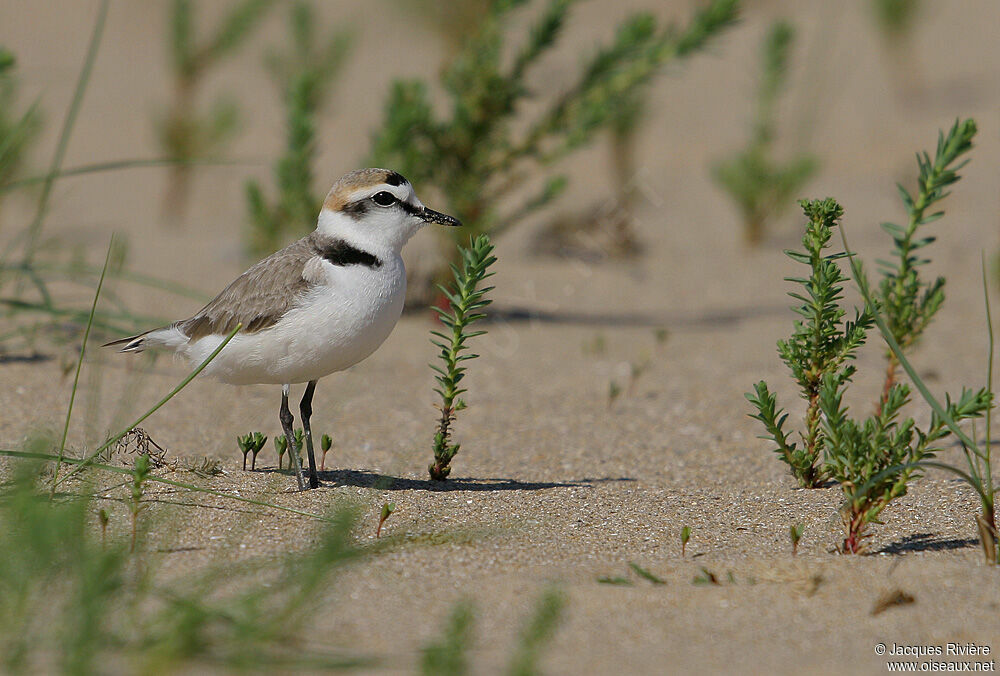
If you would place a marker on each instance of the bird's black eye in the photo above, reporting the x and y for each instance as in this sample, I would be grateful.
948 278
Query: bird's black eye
384 198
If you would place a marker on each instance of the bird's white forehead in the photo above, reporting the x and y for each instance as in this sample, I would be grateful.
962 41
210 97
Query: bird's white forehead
364 183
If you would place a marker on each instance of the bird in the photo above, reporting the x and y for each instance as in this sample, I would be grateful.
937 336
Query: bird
318 306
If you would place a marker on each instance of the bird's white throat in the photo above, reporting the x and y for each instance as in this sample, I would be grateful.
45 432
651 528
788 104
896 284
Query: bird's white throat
379 232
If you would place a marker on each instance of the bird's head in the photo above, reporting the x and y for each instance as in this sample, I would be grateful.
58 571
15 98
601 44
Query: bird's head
376 209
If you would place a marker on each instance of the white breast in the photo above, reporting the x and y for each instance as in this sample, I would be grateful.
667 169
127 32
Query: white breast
339 323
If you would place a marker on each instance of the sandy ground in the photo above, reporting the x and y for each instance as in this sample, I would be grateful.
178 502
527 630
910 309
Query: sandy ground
554 485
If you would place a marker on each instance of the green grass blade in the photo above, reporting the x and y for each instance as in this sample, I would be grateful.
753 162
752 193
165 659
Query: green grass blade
79 366
988 469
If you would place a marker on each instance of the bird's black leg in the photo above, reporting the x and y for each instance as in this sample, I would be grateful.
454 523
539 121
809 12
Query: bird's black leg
286 425
305 408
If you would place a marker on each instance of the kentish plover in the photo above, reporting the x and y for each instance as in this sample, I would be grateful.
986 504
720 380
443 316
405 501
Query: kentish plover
317 306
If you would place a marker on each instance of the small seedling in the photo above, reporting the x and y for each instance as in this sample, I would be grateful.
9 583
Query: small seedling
795 534
645 574
325 443
258 444
387 510
465 299
661 334
252 442
140 473
280 446
685 536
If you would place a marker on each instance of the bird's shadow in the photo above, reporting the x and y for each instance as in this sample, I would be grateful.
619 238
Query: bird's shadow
927 542
386 482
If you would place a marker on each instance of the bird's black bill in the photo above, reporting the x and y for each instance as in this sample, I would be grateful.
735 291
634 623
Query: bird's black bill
431 216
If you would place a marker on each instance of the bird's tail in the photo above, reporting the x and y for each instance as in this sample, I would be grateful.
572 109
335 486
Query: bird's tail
135 343
170 337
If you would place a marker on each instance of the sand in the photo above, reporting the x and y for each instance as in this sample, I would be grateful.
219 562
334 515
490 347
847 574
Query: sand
555 485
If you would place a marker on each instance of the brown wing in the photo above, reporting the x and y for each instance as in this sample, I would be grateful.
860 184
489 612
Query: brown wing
258 298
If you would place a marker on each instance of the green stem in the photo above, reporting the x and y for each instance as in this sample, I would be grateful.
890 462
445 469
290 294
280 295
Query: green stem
79 366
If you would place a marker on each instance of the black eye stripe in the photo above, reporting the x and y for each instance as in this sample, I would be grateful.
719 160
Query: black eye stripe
410 209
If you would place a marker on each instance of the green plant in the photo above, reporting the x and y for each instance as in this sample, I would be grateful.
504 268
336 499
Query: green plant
325 443
873 460
977 456
861 456
478 155
18 130
685 536
305 75
821 346
795 535
249 443
760 185
466 299
387 510
280 446
72 603
185 133
908 302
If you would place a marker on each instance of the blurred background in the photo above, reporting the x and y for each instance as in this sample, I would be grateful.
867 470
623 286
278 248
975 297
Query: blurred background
654 186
